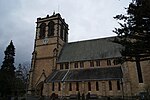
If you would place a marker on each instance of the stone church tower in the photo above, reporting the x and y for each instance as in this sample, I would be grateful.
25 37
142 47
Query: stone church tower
51 35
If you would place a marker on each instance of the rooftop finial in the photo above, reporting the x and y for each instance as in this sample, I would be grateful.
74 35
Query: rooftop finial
54 13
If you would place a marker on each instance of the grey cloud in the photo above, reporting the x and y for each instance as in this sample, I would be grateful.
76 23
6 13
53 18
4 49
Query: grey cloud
86 18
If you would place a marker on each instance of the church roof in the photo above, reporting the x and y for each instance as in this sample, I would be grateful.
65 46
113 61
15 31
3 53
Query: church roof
89 50
110 73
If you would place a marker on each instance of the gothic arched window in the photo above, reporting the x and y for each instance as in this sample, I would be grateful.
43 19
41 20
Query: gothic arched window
61 32
51 28
42 30
65 35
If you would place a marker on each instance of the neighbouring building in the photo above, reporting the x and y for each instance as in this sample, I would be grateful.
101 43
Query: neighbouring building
89 66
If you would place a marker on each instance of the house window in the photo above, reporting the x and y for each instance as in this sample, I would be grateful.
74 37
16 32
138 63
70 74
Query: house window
97 86
59 86
108 62
76 65
89 86
53 86
97 62
61 66
91 63
110 85
70 87
66 65
118 85
77 86
82 64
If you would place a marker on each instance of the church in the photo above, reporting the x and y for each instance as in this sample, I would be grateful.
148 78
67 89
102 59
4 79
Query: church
89 66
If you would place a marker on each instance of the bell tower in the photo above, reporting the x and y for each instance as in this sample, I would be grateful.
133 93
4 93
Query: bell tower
51 35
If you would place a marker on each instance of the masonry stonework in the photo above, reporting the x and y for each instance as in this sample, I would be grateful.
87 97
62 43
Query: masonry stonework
81 67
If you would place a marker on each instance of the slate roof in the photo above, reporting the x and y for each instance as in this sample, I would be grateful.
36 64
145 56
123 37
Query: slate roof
89 50
73 75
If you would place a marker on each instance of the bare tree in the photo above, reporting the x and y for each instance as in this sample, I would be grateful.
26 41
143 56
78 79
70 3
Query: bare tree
23 70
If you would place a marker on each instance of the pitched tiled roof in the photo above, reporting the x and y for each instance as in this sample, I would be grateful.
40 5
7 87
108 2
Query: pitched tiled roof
89 50
86 74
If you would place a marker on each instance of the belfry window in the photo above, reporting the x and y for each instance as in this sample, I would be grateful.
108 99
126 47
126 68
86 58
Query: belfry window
61 32
42 31
51 28
65 35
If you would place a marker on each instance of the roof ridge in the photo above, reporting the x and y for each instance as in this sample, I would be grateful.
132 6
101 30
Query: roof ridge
91 39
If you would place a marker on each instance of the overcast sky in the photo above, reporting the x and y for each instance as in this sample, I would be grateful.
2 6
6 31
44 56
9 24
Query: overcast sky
87 19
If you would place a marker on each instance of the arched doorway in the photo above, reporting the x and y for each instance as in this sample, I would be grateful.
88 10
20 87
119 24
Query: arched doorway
39 88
